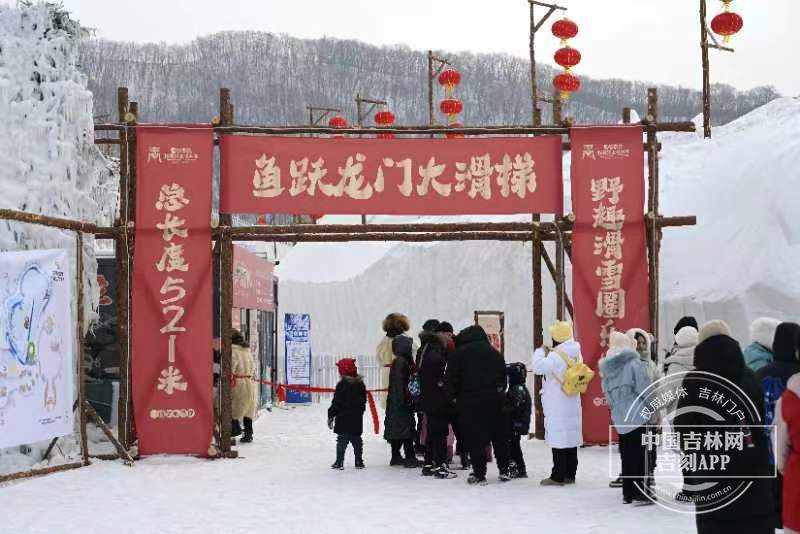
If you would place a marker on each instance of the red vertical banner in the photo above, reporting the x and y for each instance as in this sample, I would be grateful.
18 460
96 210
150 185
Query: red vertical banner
171 358
609 254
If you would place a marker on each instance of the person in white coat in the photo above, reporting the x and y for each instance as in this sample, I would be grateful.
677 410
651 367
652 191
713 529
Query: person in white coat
562 412
393 325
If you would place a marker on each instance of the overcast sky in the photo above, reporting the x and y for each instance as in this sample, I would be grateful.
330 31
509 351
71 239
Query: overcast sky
650 40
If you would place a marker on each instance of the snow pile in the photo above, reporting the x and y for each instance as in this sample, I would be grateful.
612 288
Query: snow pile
738 263
48 162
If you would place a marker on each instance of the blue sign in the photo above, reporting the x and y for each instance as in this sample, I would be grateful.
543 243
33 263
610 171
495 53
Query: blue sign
297 330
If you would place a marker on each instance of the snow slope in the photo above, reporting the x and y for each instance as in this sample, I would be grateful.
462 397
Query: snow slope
739 262
284 484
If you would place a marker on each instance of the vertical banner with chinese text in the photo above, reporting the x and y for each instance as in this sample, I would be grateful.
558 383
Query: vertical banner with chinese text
609 254
171 359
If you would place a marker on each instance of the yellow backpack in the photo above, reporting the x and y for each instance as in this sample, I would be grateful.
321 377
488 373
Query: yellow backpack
576 377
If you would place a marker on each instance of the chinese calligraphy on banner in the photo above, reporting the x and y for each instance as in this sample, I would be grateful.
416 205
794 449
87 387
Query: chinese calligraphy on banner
609 255
172 291
252 281
382 176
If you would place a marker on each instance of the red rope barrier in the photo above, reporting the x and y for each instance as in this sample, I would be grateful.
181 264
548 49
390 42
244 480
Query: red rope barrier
311 389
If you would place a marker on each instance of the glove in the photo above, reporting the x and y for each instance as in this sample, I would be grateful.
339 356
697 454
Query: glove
330 422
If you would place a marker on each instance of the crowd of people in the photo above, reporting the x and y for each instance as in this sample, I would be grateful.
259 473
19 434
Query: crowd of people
449 389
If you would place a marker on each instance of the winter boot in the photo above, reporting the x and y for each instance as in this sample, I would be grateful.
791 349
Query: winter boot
550 482
236 428
396 460
360 463
427 470
475 480
616 483
248 431
339 466
504 476
443 473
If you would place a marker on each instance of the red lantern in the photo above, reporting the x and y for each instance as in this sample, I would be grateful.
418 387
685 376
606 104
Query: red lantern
567 57
337 122
451 106
564 29
385 136
262 220
455 135
566 83
449 79
727 24
384 118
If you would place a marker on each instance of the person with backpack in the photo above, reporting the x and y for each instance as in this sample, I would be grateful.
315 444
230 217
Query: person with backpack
787 453
434 402
565 376
774 377
758 353
398 426
346 413
624 378
476 381
518 409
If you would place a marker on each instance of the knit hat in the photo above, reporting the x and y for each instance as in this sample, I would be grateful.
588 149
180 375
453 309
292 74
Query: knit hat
444 326
762 331
561 331
685 321
431 325
713 328
618 342
347 367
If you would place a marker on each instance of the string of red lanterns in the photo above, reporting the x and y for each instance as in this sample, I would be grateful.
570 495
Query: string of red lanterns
727 23
567 57
451 106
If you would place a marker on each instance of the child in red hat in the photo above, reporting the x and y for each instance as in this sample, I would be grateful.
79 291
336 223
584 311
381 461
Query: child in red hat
346 414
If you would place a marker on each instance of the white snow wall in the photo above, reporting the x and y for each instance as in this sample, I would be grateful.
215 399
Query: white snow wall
48 161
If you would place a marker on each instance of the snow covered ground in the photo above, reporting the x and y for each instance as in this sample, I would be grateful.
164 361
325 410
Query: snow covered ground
283 483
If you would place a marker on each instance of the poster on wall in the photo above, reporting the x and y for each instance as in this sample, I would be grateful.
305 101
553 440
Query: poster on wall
297 329
36 346
493 322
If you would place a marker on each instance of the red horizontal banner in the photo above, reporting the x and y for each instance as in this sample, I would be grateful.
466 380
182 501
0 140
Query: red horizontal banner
391 176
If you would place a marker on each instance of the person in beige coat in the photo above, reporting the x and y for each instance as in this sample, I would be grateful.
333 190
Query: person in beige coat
244 393
394 325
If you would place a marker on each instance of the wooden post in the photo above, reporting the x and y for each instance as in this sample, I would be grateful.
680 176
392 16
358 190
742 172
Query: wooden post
556 108
430 88
706 70
79 339
626 115
538 328
536 114
653 238
133 115
121 253
226 301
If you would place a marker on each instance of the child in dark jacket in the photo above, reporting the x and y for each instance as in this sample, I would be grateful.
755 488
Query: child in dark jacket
518 410
346 414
